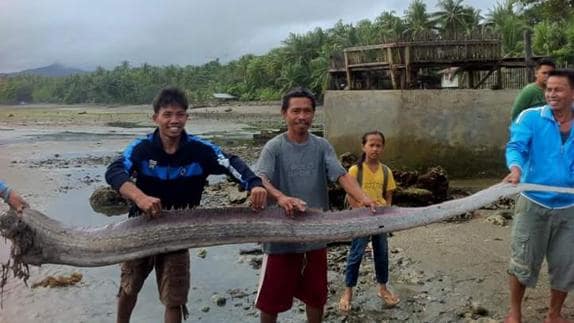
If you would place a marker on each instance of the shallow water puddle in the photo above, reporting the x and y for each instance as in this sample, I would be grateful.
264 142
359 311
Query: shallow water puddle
93 300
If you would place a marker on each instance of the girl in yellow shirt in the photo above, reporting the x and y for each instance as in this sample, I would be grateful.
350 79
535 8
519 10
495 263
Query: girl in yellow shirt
378 183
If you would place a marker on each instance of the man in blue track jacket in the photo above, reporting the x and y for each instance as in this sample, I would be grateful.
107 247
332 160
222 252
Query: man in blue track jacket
170 169
541 151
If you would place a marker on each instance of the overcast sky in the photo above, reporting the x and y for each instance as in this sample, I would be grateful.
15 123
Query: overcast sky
90 33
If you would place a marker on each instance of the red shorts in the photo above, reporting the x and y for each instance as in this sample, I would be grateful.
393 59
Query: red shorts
284 276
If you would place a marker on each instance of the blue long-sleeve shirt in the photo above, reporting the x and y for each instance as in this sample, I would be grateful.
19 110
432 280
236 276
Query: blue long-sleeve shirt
176 179
536 148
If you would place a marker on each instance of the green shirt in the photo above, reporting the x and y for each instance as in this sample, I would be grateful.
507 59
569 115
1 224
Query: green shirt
530 96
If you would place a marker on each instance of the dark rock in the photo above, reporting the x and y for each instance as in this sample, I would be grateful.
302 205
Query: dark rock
406 178
202 253
478 309
236 197
252 251
413 196
462 217
497 219
508 215
219 300
504 204
237 293
436 181
256 262
348 159
107 201
336 196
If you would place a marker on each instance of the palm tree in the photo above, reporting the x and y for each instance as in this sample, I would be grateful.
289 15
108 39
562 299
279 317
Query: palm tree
319 69
505 21
452 17
417 20
536 11
389 26
548 36
474 19
342 35
366 33
292 75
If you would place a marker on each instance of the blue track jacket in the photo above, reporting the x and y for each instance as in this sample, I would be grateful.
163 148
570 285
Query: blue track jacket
536 147
178 179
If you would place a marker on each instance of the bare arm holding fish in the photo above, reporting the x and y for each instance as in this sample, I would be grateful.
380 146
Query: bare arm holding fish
148 204
288 203
12 198
351 186
514 176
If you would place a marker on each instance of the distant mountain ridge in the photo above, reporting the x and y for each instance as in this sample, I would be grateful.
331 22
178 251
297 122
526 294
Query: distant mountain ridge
53 70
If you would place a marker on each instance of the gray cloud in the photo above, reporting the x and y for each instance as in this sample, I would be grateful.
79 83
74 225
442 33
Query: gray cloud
85 33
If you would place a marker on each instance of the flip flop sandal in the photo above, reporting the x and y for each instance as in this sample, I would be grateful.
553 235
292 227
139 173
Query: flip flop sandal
389 299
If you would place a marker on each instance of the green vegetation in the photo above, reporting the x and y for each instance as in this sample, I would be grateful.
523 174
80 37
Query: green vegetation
304 59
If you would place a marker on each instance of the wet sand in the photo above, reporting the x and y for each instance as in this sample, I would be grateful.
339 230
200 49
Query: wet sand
56 156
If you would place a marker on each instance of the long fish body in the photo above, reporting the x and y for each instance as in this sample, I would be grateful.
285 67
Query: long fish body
38 239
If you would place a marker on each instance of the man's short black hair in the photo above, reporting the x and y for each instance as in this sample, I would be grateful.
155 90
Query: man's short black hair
568 73
297 92
545 61
170 96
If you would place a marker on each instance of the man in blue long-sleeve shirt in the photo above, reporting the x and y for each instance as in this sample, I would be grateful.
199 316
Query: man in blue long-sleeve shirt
170 169
541 151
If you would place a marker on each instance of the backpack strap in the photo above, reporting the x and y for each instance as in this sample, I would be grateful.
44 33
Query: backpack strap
360 180
385 179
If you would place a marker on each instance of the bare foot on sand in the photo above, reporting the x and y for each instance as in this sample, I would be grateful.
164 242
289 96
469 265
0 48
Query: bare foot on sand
345 301
512 319
558 319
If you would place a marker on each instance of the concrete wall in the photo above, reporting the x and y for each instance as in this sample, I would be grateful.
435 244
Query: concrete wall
465 131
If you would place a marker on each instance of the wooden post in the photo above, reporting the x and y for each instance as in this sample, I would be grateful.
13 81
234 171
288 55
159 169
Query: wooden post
391 67
368 80
349 83
470 79
499 78
528 54
408 65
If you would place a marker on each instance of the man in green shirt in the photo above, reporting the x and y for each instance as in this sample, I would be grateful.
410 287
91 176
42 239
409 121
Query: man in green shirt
532 95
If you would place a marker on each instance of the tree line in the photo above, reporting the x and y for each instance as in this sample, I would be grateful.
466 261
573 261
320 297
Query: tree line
304 59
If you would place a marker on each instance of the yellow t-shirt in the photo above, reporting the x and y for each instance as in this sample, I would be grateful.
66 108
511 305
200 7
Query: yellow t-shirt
372 183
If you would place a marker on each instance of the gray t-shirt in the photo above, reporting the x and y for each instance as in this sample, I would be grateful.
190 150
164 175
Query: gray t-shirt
302 171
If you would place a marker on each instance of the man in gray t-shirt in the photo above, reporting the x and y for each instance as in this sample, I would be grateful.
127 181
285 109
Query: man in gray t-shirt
295 167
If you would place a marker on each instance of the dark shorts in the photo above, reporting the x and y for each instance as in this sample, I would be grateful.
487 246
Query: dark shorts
172 276
284 276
